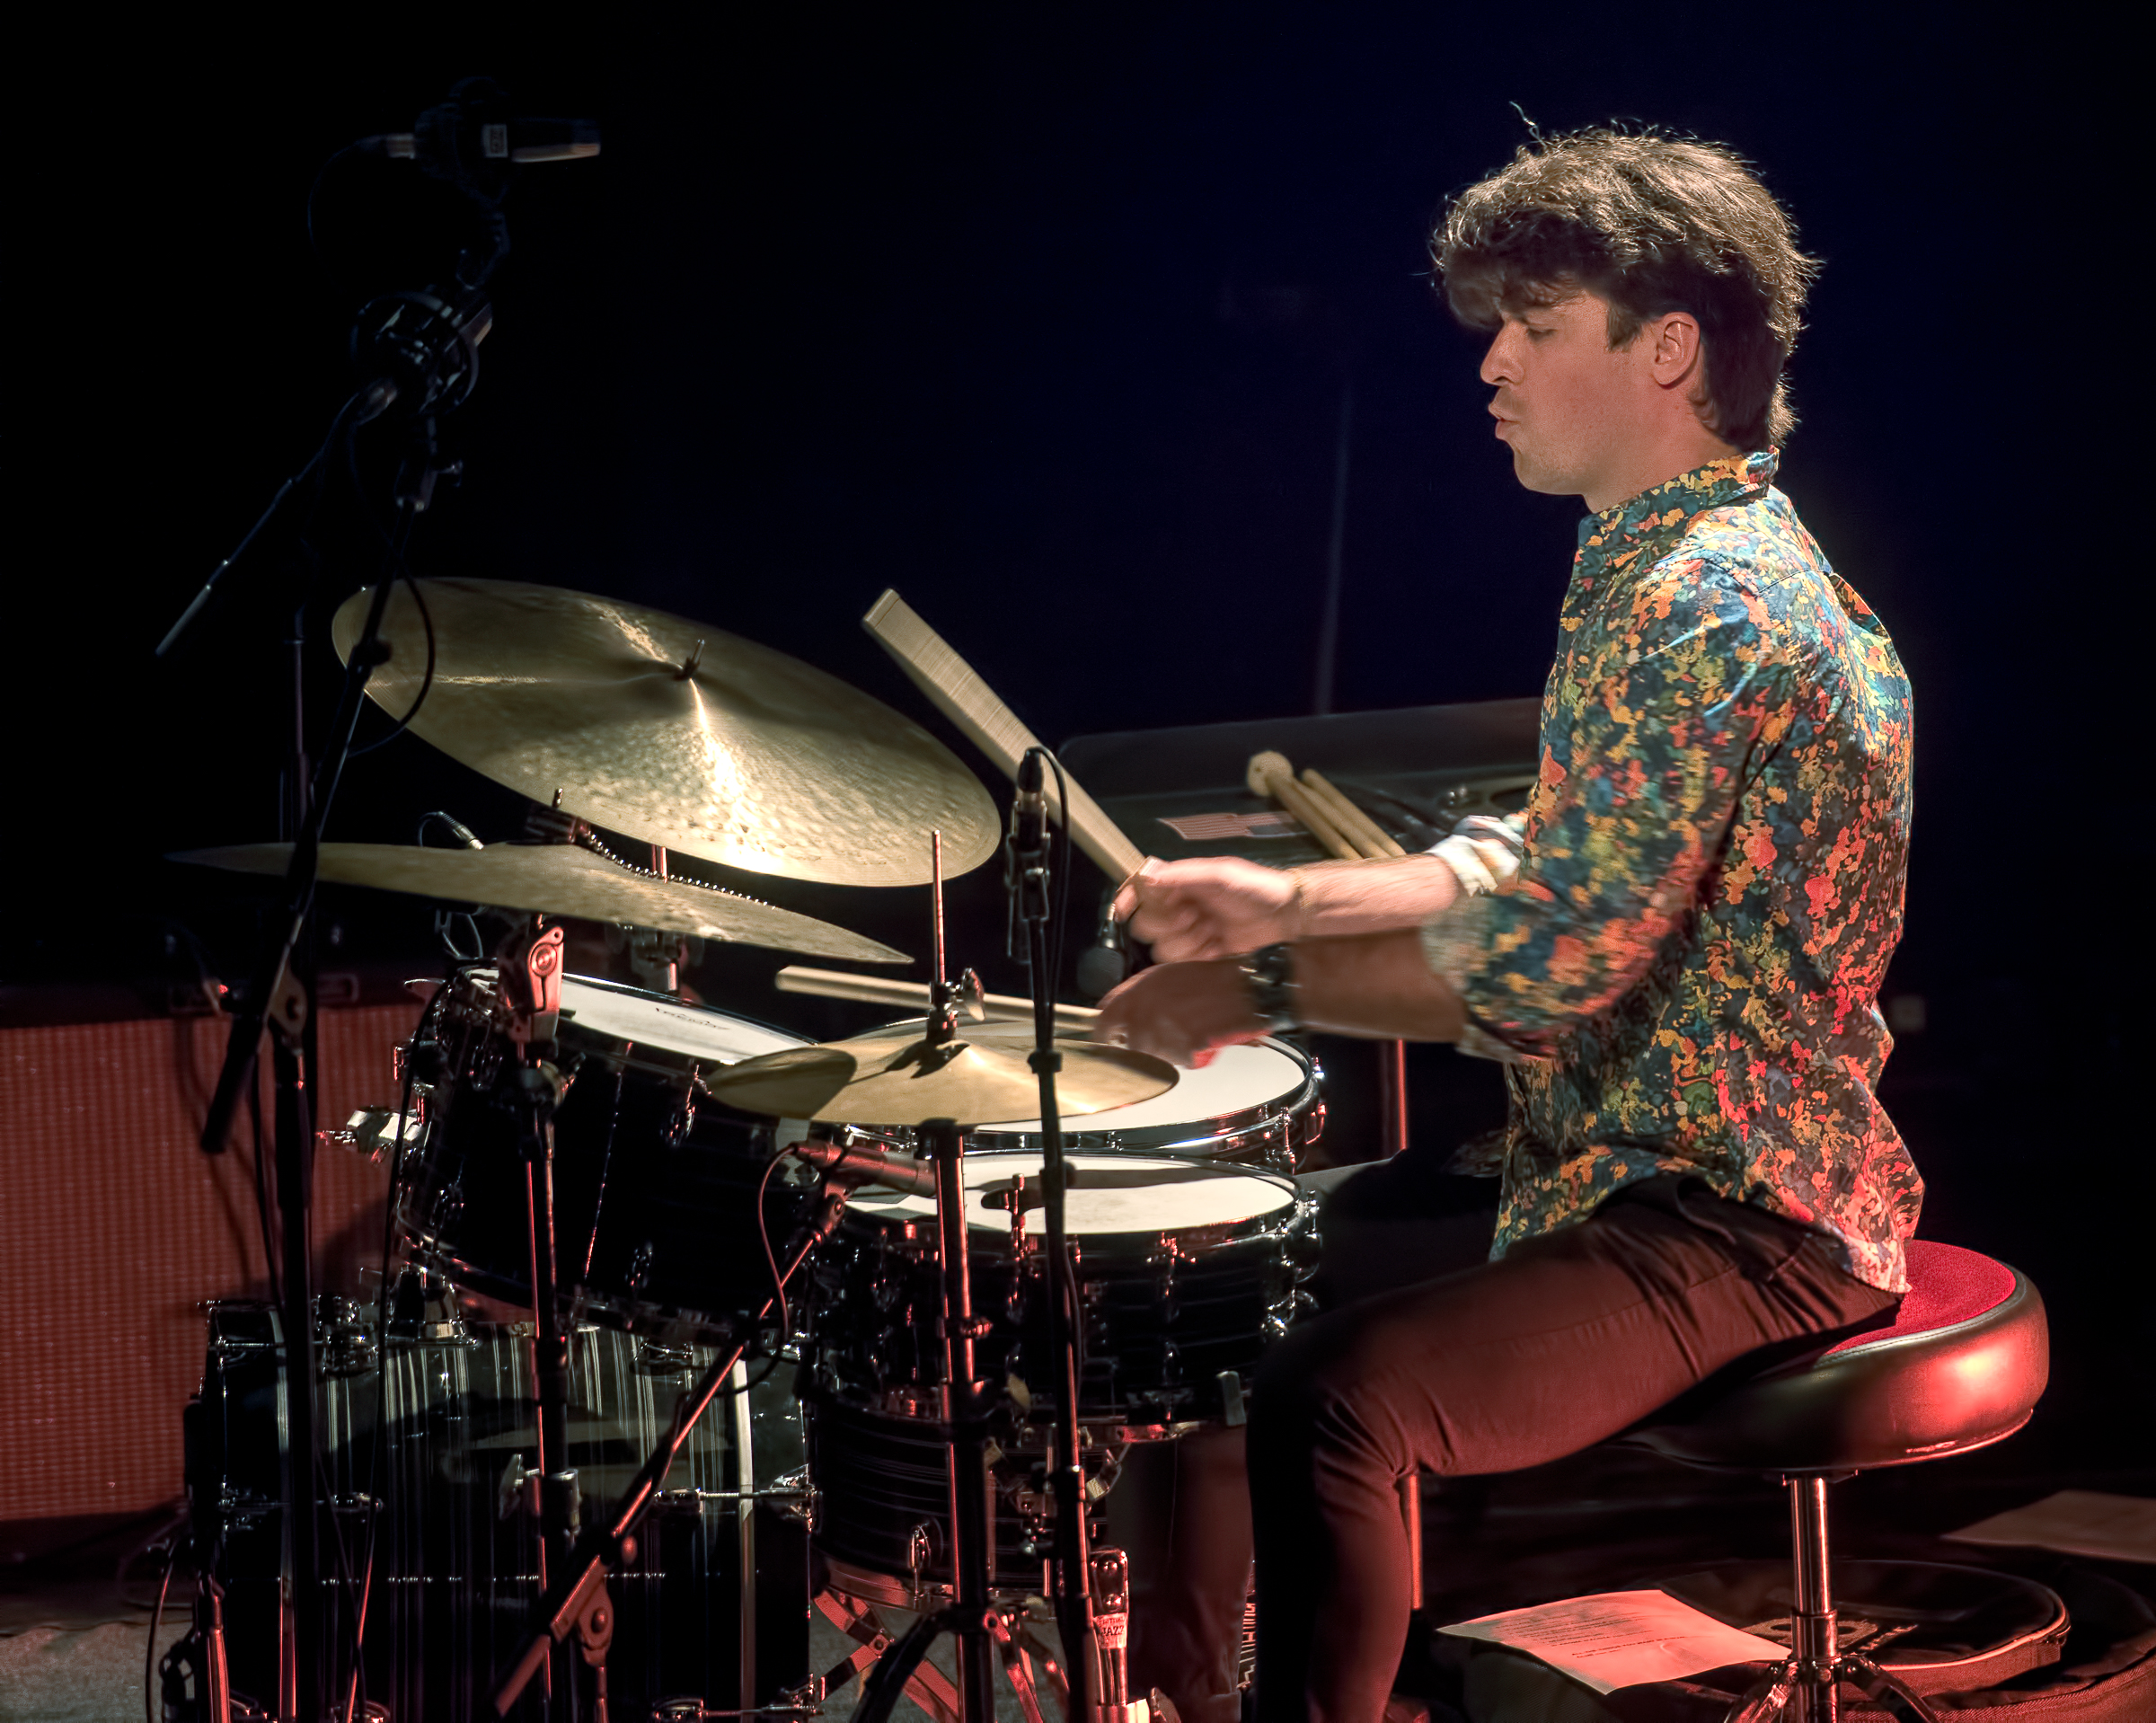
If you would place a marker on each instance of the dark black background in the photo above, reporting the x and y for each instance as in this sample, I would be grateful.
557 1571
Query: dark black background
1041 315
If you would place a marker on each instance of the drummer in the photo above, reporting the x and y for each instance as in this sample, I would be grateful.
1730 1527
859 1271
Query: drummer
1674 949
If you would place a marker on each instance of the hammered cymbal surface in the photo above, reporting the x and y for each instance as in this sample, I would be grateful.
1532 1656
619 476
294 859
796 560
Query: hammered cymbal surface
561 879
894 1078
751 758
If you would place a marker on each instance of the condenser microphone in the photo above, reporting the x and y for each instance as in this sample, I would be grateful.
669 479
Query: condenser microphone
519 141
858 1163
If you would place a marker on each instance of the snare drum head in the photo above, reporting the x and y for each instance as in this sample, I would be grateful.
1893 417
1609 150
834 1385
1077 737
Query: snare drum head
1241 1078
1218 1197
650 1020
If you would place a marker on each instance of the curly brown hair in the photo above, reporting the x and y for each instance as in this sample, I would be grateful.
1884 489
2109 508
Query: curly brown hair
1653 224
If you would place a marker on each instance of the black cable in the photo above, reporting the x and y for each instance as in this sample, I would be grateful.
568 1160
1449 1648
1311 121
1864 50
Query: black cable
263 1207
149 1655
1062 864
314 192
426 681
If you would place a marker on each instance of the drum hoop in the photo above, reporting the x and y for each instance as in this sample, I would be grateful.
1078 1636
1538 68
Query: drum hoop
481 1012
1096 1249
1175 1137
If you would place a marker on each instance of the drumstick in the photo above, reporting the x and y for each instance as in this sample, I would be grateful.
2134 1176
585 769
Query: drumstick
960 696
1270 775
911 995
1373 837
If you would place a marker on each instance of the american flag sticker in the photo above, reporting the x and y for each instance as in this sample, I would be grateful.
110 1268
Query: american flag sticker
1218 829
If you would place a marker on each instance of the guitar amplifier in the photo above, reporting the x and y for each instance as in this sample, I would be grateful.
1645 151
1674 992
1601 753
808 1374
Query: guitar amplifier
115 1229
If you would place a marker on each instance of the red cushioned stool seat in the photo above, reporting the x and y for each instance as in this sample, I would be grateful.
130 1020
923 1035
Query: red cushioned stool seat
1962 1366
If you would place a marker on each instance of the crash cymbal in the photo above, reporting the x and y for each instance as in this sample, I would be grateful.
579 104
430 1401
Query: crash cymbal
894 1077
561 879
675 733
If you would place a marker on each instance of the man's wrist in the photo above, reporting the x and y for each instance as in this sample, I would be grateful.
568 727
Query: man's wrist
1269 974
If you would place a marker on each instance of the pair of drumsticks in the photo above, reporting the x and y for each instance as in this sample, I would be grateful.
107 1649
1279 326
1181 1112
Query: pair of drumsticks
1320 809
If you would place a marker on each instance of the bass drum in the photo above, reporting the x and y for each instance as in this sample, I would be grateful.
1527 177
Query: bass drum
1257 1104
423 1457
655 1185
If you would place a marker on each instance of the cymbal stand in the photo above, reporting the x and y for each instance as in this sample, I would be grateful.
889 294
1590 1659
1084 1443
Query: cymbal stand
530 968
577 1590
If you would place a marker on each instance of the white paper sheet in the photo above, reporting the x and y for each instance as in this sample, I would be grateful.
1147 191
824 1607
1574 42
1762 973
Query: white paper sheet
1619 1638
2079 1522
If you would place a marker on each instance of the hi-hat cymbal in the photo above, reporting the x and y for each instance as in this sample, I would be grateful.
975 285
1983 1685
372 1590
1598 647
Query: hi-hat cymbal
675 733
561 879
894 1077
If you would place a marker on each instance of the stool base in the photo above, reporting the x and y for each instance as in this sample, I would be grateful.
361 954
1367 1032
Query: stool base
1806 1692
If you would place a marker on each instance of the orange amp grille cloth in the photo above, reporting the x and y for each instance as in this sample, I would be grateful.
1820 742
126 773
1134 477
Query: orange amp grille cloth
114 1227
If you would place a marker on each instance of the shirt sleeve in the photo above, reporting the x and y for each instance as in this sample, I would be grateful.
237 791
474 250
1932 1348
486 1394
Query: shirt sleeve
1674 696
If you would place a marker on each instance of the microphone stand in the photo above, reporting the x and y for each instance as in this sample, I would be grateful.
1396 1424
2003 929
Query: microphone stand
431 365
1073 1564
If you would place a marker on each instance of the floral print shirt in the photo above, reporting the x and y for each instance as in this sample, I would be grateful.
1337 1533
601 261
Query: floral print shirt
1682 973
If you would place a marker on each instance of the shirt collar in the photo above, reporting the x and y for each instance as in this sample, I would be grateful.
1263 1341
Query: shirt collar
1616 535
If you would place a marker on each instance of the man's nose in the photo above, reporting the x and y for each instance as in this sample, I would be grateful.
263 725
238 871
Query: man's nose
1498 365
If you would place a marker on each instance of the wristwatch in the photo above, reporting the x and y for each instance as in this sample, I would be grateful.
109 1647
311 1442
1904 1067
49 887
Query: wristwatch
1271 972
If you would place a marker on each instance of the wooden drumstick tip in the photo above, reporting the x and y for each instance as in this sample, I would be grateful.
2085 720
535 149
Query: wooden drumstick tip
1265 770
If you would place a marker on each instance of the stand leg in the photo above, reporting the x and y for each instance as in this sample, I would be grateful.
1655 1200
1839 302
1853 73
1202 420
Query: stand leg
1392 1097
294 1181
550 1344
964 1411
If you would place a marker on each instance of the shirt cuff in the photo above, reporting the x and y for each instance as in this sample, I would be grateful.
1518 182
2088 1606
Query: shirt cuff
1455 943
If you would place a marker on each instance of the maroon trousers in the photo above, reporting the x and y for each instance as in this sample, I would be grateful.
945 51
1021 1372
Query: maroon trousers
1567 1341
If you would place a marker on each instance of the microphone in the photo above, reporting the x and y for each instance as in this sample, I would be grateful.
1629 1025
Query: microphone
473 137
860 1164
1029 809
521 141
1025 855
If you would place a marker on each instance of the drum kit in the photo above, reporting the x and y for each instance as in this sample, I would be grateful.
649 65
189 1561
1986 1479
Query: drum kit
865 1321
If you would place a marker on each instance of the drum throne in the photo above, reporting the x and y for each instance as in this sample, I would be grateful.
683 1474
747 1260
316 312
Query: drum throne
1961 1368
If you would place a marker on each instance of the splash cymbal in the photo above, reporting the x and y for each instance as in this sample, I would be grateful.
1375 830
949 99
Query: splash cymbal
675 733
895 1077
561 879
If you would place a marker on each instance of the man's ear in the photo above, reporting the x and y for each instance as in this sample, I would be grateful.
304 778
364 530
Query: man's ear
1676 354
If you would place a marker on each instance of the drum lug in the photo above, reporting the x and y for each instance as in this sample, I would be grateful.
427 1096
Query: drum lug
799 1499
656 1359
920 1550
518 1492
682 1120
347 1346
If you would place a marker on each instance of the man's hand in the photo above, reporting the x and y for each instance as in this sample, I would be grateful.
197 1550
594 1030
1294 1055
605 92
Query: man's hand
1182 1012
1216 906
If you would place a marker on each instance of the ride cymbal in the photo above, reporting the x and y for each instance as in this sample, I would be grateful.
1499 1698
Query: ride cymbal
561 879
675 733
895 1077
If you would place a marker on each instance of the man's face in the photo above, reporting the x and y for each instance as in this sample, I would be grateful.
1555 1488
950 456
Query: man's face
1568 406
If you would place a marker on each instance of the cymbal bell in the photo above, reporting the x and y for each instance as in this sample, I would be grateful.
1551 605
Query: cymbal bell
896 1077
561 879
674 732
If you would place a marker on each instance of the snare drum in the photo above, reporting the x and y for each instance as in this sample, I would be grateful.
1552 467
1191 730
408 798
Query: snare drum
655 1183
1181 1285
1260 1103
